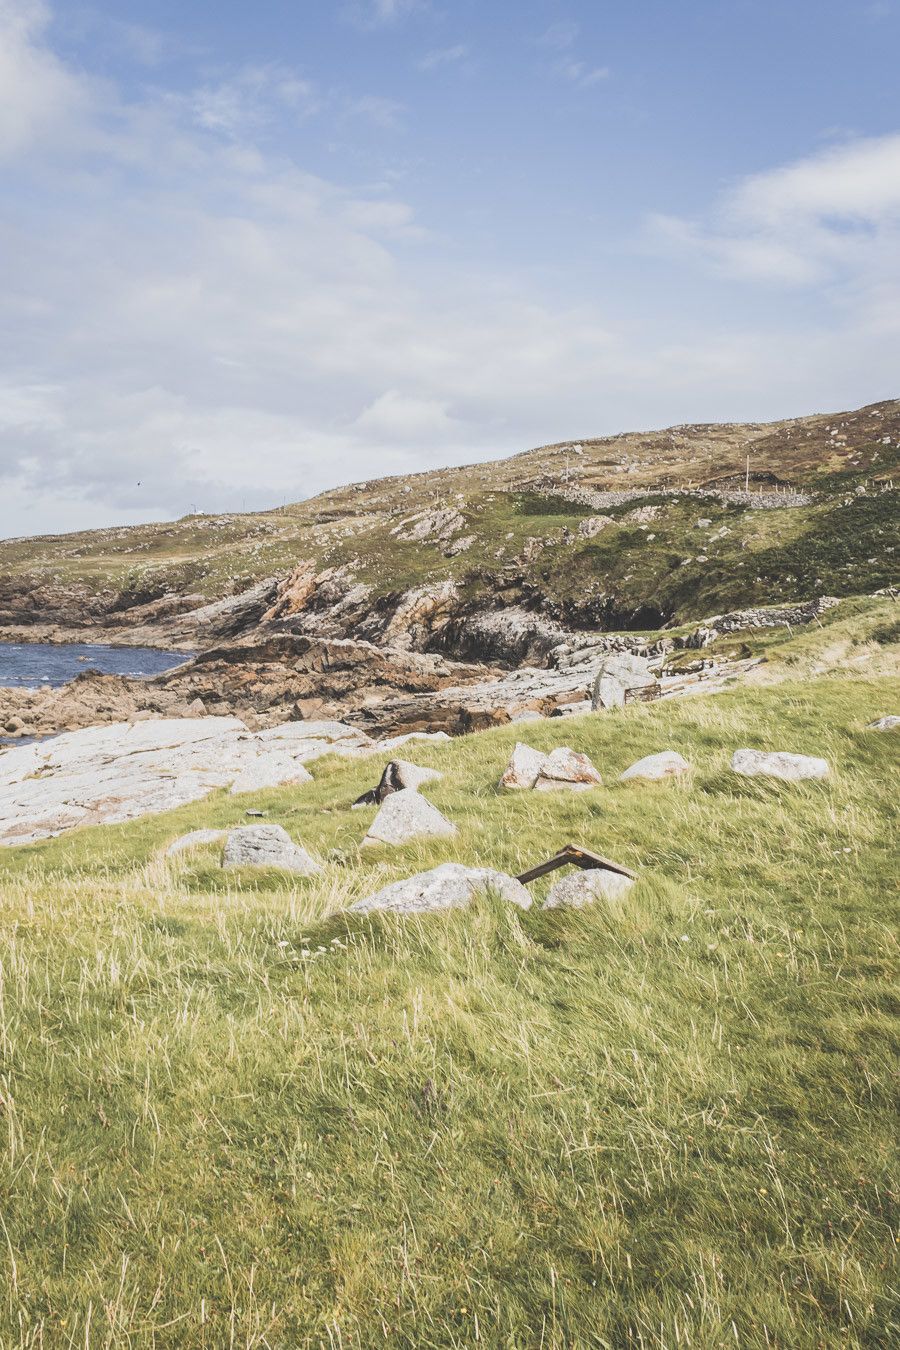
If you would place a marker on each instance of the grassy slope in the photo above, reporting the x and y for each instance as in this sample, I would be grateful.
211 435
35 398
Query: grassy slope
841 545
667 1123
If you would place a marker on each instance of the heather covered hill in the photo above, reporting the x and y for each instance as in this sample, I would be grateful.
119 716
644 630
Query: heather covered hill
630 531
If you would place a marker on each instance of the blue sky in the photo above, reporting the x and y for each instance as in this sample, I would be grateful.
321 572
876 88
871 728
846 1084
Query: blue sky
251 251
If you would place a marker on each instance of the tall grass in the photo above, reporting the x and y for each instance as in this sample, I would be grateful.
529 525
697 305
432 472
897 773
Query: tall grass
233 1115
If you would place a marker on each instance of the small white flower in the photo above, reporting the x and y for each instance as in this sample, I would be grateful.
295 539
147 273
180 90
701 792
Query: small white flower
685 938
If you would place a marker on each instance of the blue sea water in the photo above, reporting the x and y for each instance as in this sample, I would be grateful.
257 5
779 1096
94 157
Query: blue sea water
31 665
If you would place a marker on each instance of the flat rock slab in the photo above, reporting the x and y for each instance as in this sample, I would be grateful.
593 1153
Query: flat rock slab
585 888
890 723
403 816
449 886
267 846
666 764
781 764
195 839
109 774
270 771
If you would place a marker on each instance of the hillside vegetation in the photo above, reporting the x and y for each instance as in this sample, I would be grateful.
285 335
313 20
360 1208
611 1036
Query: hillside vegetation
519 521
233 1115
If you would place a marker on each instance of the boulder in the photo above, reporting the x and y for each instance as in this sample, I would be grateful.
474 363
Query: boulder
449 886
397 775
267 846
567 770
583 705
270 771
583 888
620 676
666 764
194 839
525 763
885 724
778 764
404 815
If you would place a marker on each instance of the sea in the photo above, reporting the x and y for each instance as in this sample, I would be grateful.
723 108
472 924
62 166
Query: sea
32 665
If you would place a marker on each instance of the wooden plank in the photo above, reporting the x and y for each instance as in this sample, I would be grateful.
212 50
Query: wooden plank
573 855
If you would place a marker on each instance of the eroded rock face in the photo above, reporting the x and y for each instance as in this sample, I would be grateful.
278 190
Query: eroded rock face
586 887
403 816
667 764
781 764
267 846
449 886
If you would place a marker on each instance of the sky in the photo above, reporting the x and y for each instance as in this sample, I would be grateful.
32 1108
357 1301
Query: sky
250 251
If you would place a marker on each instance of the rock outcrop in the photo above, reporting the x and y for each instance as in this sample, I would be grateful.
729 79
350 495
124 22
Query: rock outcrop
622 677
108 774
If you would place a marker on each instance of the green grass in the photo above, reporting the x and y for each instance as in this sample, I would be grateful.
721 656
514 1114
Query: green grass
232 1116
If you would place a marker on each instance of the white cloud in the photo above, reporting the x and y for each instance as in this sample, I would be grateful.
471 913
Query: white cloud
443 56
188 318
832 216
378 13
250 98
580 73
37 94
559 35
396 416
386 113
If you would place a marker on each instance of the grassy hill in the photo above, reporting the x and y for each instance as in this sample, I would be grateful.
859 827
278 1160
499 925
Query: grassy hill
234 1116
695 555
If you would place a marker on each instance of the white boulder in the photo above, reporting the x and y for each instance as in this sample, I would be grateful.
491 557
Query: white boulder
267 846
781 764
416 775
194 839
666 764
584 887
449 886
567 770
525 763
890 723
618 675
405 815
